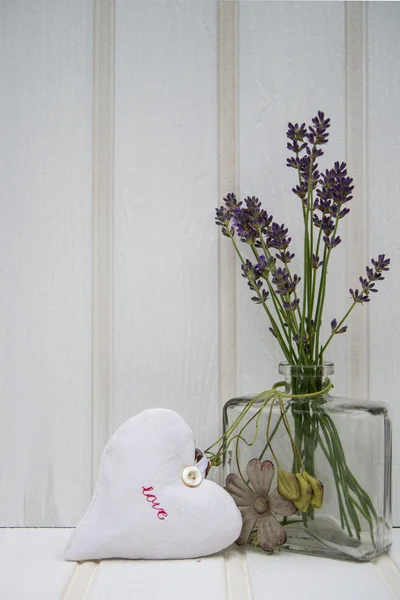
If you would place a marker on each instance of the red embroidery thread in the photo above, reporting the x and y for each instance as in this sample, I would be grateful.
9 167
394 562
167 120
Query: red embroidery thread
161 514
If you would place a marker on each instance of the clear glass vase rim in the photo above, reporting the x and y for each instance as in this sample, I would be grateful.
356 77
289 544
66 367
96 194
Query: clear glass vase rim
288 369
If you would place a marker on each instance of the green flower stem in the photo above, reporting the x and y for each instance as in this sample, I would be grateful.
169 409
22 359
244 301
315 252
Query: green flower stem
353 501
239 437
309 445
319 300
298 438
226 436
343 517
302 357
308 249
278 303
305 296
268 444
286 521
350 477
240 418
322 290
301 332
351 484
366 516
226 439
287 268
282 343
269 255
336 462
320 356
287 427
315 275
268 428
280 311
335 465
311 249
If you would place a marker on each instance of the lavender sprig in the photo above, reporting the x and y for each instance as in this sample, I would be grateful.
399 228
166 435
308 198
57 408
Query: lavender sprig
361 296
368 284
324 199
253 226
236 219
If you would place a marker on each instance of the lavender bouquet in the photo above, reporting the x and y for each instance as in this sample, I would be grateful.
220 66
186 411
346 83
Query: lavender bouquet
294 306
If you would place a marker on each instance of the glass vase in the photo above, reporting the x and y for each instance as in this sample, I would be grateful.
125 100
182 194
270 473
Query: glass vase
346 444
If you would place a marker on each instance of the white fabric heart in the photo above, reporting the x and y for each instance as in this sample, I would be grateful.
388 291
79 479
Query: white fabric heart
142 508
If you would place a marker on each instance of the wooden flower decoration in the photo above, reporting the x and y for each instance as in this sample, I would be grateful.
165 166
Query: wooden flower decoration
257 505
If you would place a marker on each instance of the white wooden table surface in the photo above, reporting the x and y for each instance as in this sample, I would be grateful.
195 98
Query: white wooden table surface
31 567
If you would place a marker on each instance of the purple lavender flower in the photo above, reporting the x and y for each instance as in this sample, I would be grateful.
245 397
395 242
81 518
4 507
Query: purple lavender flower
296 133
252 274
293 162
373 275
331 242
301 190
336 187
367 285
382 264
308 140
327 224
334 327
316 262
291 306
338 212
306 341
250 221
283 283
317 133
223 220
244 225
276 237
265 296
285 257
359 296
307 179
264 266
325 197
224 214
279 276
249 270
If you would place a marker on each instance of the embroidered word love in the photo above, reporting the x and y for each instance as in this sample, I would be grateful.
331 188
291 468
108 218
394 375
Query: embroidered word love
161 514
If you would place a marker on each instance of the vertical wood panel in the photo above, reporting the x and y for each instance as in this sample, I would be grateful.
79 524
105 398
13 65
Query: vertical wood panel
103 227
228 183
384 212
356 152
45 238
166 259
291 65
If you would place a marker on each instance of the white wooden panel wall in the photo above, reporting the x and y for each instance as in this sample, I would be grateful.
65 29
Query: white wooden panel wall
180 92
45 260
166 249
384 213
